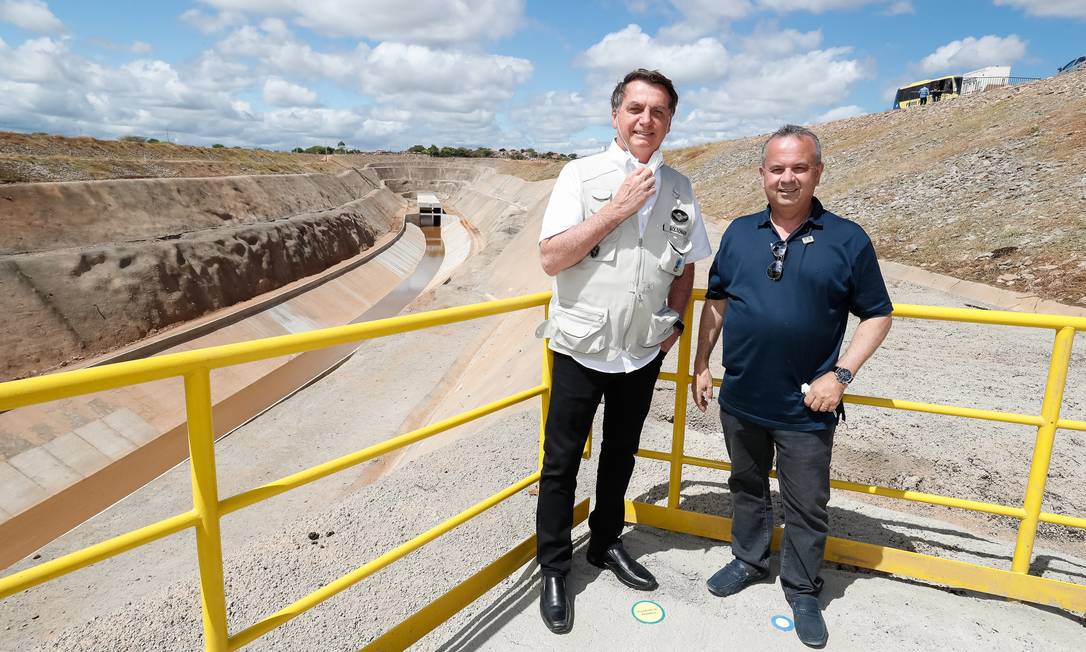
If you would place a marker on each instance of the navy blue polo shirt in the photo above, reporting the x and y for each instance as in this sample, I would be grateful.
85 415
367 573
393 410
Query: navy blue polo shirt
781 334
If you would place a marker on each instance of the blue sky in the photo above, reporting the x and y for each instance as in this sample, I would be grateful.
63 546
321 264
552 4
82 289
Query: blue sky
504 73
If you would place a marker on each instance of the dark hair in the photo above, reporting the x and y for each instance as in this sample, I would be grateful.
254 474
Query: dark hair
649 77
795 131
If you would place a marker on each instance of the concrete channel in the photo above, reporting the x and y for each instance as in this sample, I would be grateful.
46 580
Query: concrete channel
140 433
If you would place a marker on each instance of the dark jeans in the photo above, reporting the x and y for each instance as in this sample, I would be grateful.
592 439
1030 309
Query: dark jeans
575 395
803 474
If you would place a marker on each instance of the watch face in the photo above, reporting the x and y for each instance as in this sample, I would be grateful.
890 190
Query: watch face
843 375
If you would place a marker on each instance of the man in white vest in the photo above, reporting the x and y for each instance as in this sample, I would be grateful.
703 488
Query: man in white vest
620 236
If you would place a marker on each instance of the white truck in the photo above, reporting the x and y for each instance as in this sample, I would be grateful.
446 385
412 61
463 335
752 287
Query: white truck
982 79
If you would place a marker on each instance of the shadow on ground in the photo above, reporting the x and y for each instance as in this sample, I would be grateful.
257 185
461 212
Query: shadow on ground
714 498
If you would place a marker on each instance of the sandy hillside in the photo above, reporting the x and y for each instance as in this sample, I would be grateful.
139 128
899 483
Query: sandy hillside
989 187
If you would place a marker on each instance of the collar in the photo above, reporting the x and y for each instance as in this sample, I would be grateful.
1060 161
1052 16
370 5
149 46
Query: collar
626 162
814 219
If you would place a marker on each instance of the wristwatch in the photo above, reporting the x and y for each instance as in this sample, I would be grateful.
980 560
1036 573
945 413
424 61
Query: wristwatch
680 326
844 376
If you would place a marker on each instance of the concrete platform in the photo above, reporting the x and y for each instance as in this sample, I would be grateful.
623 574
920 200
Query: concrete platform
863 610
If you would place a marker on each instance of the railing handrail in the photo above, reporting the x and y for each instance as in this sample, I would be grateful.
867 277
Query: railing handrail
972 315
208 509
65 384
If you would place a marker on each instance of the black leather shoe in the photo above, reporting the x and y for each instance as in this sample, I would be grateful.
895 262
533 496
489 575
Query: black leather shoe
807 615
628 571
554 605
733 578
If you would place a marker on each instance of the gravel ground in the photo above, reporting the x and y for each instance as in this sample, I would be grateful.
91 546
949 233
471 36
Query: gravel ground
272 560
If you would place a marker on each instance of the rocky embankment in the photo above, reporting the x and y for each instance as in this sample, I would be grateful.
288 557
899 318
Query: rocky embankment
88 267
988 188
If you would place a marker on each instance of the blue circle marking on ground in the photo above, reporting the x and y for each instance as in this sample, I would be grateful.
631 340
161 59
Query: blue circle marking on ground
647 611
782 623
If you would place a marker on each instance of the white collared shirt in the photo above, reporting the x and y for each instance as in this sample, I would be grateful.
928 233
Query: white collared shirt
565 210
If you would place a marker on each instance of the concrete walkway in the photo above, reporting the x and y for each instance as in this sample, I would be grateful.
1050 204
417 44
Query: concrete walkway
863 610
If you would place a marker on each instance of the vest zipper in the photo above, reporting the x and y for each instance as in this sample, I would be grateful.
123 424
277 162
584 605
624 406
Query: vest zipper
637 288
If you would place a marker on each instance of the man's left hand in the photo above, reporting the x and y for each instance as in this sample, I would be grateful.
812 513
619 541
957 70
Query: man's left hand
825 393
666 345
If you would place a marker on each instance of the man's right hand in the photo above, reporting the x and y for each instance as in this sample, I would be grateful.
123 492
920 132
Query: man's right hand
634 192
702 388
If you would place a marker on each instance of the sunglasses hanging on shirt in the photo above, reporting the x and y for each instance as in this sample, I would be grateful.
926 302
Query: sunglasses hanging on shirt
776 268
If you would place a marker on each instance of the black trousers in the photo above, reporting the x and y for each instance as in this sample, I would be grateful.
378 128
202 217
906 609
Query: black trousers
575 395
803 475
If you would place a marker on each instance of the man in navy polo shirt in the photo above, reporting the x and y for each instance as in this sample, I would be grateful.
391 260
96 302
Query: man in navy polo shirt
786 279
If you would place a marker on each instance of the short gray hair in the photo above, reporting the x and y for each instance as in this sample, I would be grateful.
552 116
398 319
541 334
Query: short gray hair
795 131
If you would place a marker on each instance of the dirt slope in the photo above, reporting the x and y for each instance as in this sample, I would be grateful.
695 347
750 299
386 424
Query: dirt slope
989 188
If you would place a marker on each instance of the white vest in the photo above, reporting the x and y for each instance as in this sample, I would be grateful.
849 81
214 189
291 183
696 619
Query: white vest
615 299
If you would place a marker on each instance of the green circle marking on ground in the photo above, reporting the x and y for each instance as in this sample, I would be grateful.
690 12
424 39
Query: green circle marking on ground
648 612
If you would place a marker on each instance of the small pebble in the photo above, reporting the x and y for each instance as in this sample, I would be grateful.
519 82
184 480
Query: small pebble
313 536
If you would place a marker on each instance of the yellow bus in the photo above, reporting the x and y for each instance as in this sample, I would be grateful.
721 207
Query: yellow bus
940 88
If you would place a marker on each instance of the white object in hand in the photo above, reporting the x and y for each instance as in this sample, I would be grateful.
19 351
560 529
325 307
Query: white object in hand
804 388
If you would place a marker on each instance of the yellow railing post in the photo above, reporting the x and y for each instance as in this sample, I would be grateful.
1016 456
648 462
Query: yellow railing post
678 428
1042 449
205 502
545 398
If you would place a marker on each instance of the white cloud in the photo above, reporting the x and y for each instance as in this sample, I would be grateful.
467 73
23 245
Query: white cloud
140 47
900 7
279 52
398 67
766 40
971 52
406 92
1054 8
208 23
715 10
446 80
37 60
31 15
760 94
840 113
279 92
764 78
45 86
701 17
434 85
619 52
551 120
417 21
813 6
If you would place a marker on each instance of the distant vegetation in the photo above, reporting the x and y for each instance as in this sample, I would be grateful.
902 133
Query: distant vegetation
486 152
340 148
525 154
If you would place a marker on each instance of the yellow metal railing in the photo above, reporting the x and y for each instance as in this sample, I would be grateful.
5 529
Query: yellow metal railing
1014 583
208 508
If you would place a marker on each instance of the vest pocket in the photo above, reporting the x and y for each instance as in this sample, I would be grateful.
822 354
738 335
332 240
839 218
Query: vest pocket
673 260
661 325
604 251
579 328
